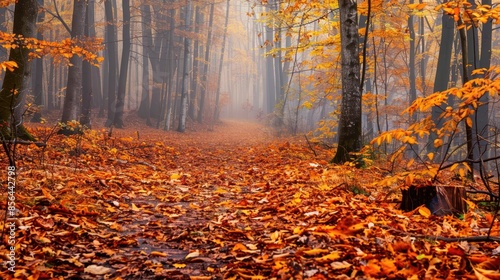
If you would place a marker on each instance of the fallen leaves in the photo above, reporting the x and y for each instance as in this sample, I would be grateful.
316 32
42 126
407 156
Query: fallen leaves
218 207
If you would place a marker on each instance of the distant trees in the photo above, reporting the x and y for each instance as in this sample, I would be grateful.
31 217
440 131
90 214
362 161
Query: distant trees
177 74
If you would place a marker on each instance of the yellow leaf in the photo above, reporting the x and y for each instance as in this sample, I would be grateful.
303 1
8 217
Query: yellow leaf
329 258
158 254
389 138
430 156
179 265
135 208
461 172
469 122
314 252
409 179
424 211
275 235
410 163
175 176
438 143
307 105
470 204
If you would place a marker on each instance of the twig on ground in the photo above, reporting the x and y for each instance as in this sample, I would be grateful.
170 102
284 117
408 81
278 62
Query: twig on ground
310 146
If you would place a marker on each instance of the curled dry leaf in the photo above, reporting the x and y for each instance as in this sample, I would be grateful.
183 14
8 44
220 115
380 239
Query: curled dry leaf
97 269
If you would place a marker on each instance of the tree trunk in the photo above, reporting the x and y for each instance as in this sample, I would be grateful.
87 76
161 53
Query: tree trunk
74 84
221 63
122 83
97 98
206 64
350 111
14 84
38 81
442 75
85 119
196 53
270 92
481 120
145 100
172 67
185 71
154 59
112 56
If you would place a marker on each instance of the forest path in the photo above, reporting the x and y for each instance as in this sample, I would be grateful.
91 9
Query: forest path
233 203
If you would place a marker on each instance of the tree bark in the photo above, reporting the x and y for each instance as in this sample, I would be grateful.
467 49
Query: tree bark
206 64
112 56
74 84
97 98
196 53
85 119
14 87
145 100
122 83
38 78
350 111
185 72
221 62
442 75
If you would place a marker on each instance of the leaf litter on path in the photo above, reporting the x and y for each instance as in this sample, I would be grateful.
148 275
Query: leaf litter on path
229 204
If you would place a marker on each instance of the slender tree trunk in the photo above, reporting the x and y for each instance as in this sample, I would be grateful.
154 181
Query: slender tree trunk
221 62
350 111
122 83
185 74
97 98
270 77
196 53
145 100
85 119
74 85
3 28
481 122
154 59
206 64
442 74
38 85
412 72
112 55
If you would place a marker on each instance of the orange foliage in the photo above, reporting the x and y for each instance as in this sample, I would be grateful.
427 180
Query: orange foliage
61 51
230 204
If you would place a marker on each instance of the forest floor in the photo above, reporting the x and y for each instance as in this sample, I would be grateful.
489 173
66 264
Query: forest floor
233 203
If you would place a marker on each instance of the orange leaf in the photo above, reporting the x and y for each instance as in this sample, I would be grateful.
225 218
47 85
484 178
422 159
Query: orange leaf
158 254
239 247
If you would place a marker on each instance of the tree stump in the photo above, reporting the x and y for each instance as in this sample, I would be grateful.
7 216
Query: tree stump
441 200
